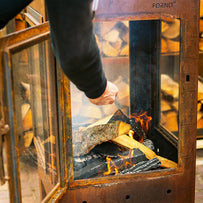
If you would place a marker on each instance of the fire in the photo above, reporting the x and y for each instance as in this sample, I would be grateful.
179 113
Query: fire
125 162
143 119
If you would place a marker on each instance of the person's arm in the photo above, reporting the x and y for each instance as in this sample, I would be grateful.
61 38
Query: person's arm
76 49
10 8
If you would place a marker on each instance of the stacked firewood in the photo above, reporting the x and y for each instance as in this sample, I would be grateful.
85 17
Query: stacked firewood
200 104
113 37
170 36
26 115
169 103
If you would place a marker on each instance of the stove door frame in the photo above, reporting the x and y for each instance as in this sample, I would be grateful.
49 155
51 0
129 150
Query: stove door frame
9 45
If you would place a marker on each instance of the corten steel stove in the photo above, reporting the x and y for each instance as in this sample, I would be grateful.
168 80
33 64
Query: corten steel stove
139 149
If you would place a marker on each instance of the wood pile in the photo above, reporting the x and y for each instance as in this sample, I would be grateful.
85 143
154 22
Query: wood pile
169 103
170 36
200 104
113 37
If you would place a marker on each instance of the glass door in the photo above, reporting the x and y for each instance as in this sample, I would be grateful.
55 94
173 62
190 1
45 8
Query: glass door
30 90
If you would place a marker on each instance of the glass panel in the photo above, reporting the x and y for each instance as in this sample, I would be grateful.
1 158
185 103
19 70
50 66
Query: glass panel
105 138
36 120
169 69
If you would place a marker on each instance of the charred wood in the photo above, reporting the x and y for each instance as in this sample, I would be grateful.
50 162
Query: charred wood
143 166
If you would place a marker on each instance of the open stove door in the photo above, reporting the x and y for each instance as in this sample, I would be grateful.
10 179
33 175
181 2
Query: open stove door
28 104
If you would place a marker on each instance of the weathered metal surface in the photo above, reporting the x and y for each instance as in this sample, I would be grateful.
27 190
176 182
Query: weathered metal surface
170 185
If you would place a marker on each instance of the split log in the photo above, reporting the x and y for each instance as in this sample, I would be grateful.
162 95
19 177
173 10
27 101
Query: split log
200 90
164 47
112 36
165 106
28 136
24 109
95 135
172 30
169 86
108 50
124 91
171 121
117 44
27 121
173 46
107 27
130 143
125 51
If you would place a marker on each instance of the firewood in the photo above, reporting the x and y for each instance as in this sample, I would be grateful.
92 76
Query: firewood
28 136
97 135
173 29
117 44
169 86
164 47
173 46
164 26
199 115
165 106
25 89
125 51
24 110
27 121
108 50
171 121
130 143
112 36
200 90
123 94
107 27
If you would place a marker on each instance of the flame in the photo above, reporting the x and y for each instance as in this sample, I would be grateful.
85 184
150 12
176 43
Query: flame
143 119
113 168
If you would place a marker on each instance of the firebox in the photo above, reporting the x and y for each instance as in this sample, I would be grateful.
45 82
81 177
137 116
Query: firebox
139 149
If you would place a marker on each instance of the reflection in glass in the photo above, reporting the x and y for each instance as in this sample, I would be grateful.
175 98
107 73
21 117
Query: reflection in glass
169 69
36 121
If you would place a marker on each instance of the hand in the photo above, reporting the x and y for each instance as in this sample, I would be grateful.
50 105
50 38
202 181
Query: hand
3 128
108 97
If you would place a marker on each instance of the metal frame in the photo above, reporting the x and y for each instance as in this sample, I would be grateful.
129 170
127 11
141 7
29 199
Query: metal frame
168 185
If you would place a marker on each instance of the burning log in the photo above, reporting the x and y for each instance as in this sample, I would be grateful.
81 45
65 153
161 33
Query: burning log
90 137
130 143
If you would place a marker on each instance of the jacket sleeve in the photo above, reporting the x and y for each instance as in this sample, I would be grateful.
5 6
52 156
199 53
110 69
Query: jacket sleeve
74 44
10 8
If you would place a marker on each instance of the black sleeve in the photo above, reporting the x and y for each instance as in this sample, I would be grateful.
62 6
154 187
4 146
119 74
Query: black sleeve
9 9
74 44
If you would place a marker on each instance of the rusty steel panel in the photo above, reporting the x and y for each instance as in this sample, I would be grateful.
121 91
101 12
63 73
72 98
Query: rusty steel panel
168 185
170 189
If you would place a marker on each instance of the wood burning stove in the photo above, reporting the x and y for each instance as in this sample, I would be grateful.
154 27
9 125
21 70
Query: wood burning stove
148 51
141 148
